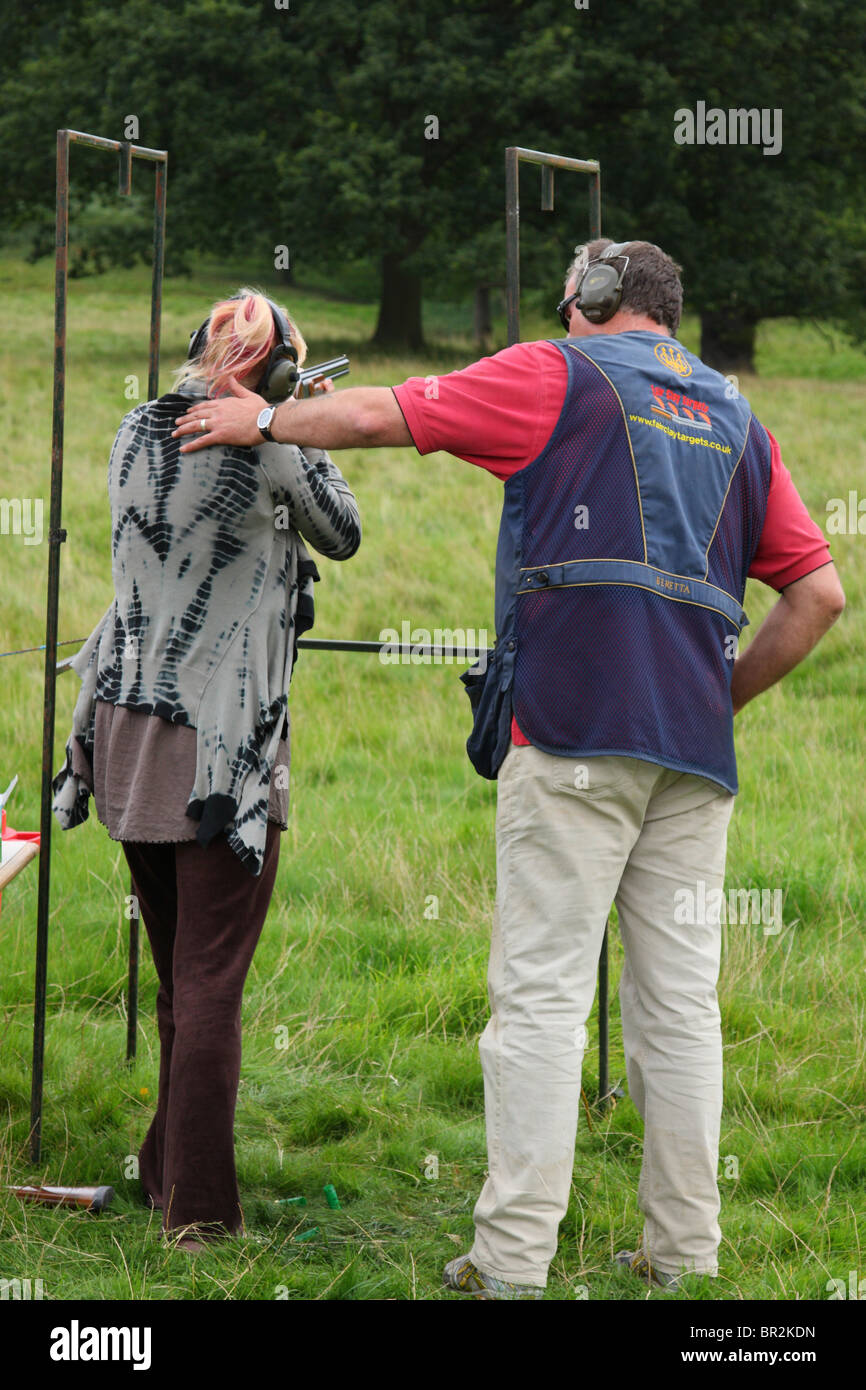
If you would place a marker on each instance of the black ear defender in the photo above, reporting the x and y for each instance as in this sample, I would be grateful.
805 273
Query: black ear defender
280 375
600 290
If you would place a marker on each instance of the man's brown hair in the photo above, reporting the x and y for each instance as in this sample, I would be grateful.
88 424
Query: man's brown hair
651 284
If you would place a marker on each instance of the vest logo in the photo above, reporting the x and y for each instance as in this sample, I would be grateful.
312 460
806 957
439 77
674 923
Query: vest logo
673 405
673 586
673 358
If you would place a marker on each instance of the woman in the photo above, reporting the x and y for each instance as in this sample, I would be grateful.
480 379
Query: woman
181 727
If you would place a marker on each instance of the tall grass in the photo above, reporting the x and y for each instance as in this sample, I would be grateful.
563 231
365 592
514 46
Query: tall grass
363 1006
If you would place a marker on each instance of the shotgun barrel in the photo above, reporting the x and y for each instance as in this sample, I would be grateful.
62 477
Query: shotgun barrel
335 366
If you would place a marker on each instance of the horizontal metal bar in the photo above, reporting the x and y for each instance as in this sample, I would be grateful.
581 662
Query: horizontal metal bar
326 645
99 142
458 653
22 651
555 161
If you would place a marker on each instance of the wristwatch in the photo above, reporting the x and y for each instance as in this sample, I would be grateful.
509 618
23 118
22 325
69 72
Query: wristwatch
263 421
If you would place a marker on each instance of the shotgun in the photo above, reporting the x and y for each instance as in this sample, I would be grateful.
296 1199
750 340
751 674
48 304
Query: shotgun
335 366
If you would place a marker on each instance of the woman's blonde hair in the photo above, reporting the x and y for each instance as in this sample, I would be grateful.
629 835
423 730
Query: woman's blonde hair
241 333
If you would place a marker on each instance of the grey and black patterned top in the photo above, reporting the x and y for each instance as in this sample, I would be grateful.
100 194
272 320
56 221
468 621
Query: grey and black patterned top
213 585
142 770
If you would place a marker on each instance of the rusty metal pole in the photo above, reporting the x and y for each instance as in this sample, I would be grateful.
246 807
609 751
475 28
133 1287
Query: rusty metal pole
595 205
56 537
514 154
512 244
604 1091
603 959
156 288
124 188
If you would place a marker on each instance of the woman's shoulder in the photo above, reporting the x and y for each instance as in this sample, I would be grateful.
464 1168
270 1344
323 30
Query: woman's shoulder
156 414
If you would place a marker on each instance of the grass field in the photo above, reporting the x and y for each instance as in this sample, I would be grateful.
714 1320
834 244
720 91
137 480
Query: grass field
362 1011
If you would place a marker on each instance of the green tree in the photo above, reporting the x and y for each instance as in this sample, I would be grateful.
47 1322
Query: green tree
402 122
205 79
349 132
758 235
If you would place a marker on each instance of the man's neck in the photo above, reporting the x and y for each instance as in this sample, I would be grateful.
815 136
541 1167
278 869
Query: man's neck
624 322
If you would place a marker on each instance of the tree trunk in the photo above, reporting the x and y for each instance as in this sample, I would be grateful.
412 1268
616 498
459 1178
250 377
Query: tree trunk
728 341
481 321
399 323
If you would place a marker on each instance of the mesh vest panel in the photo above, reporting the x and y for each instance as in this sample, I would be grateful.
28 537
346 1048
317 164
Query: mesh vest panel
613 667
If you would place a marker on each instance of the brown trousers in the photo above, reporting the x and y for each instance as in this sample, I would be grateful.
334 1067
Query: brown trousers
204 913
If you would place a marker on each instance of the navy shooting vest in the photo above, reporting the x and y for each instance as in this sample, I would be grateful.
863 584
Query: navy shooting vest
621 565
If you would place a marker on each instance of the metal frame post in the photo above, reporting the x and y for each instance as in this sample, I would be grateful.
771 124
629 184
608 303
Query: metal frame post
514 155
56 536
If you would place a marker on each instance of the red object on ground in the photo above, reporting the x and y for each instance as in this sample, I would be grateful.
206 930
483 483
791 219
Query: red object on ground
93 1198
22 836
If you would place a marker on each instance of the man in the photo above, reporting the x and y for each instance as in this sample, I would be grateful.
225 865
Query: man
640 491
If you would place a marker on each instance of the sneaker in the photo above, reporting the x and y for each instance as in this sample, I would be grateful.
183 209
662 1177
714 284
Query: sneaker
462 1276
639 1264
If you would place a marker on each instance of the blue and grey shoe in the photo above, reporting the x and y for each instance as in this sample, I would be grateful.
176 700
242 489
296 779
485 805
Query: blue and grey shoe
640 1264
462 1276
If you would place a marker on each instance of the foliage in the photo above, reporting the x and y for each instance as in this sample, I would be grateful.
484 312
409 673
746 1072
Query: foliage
288 127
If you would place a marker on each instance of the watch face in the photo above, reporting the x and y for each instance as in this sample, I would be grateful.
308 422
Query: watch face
264 417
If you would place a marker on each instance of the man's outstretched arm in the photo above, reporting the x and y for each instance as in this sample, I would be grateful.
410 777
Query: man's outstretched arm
360 417
804 612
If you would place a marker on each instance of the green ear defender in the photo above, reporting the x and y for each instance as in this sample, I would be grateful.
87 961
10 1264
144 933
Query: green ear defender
600 290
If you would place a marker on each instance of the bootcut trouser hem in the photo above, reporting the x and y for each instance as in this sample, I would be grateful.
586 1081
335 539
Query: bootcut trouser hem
204 913
509 1276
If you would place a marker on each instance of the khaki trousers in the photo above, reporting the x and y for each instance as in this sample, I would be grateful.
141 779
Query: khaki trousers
573 836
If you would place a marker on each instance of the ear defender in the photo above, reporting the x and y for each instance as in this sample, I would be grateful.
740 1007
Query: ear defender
280 376
600 291
198 340
281 370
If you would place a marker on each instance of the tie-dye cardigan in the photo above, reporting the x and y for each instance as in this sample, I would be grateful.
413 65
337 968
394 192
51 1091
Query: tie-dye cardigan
213 585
